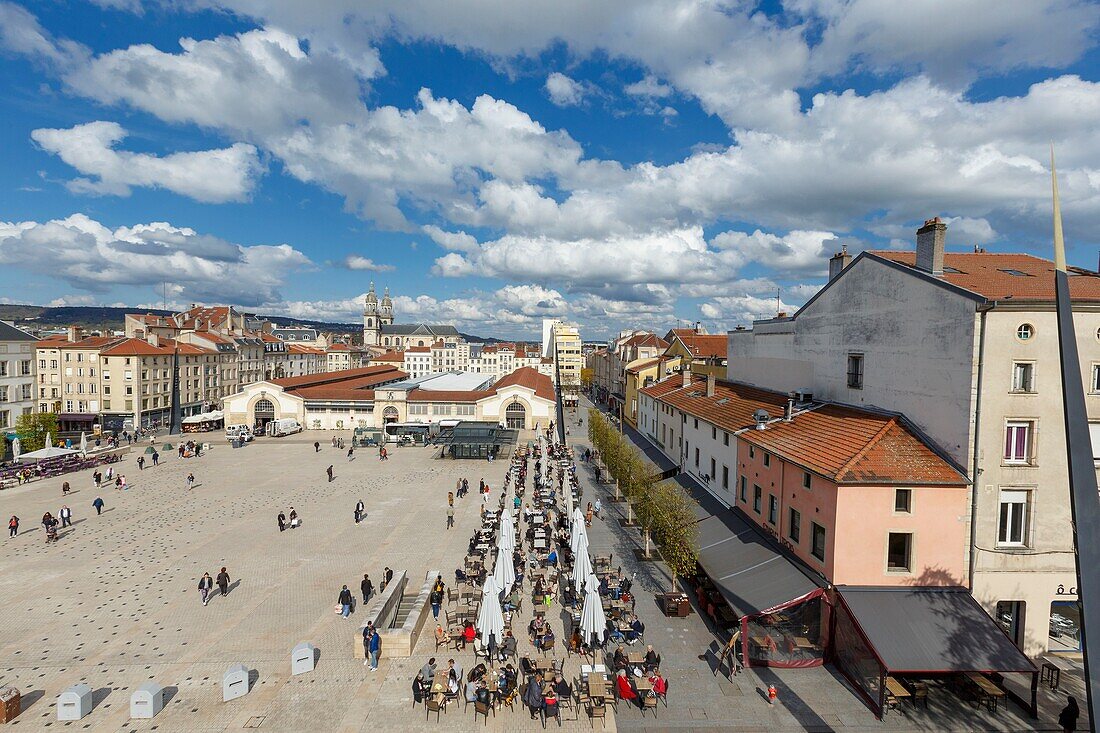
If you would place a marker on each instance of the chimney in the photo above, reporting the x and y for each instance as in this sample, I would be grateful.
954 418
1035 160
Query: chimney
788 412
839 261
685 377
153 339
710 385
931 239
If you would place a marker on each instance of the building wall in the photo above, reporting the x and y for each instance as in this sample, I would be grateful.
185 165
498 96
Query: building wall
68 379
18 392
918 341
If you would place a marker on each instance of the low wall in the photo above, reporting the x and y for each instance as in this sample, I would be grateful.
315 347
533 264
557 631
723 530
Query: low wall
401 641
380 612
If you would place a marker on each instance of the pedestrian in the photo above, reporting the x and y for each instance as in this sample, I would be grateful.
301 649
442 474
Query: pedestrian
450 498
190 480
223 581
1068 717
293 518
367 587
206 583
389 575
98 504
13 526
351 453
141 463
329 472
374 647
316 447
368 632
156 458
65 488
66 515
282 522
97 477
450 517
122 479
345 602
334 441
360 509
436 598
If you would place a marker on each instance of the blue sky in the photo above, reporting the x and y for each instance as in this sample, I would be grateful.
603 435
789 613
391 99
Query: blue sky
618 164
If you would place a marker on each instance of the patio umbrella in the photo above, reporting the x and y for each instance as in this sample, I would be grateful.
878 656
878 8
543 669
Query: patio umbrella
48 452
16 448
576 532
506 541
504 573
83 442
490 619
49 441
582 570
593 620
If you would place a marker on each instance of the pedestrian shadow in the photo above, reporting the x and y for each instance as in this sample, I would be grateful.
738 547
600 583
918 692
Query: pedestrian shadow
232 586
196 485
108 509
78 521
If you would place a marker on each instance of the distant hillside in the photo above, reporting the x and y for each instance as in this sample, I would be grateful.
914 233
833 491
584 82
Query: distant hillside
106 318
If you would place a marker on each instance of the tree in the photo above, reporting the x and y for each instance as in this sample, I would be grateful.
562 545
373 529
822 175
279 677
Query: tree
588 376
33 429
675 528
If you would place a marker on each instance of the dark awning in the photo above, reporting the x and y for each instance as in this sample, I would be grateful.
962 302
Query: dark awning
479 433
747 567
916 630
78 416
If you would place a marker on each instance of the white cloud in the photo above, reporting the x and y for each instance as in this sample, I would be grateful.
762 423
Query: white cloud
358 262
212 176
649 86
21 33
743 309
564 91
200 268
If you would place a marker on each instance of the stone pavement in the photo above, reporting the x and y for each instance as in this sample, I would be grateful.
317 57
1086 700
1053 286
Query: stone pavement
813 699
115 602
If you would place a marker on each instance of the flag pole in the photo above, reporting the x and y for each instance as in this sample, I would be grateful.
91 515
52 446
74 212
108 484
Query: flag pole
1084 500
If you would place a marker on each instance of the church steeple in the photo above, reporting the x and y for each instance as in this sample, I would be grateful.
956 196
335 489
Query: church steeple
372 301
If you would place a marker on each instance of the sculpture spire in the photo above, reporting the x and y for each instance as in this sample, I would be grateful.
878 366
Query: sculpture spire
1059 242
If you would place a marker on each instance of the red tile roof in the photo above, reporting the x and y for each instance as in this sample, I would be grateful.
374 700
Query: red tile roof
394 356
703 346
335 394
418 350
135 347
530 378
988 274
844 444
646 339
91 342
380 372
644 365
338 347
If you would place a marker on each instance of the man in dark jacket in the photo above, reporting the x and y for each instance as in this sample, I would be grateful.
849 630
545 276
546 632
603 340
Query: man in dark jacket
532 694
205 584
345 602
367 587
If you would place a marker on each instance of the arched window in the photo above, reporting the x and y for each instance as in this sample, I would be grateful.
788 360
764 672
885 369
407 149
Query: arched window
389 414
264 408
370 323
516 415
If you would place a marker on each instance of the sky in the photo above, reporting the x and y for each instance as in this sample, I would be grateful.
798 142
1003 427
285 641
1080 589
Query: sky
618 164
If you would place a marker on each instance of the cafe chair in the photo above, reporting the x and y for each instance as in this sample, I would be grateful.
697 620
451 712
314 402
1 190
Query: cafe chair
649 702
596 711
551 711
432 705
664 695
548 646
481 708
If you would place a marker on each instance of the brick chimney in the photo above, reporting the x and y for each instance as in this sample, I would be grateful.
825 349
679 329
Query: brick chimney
931 239
685 377
710 385
73 334
839 261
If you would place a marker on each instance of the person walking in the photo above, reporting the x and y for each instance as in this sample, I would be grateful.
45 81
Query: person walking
1068 717
190 481
65 488
360 510
316 447
13 526
223 581
389 575
450 517
141 463
368 632
66 515
97 477
329 472
436 597
367 587
450 498
282 522
156 458
98 504
374 647
206 583
345 602
351 453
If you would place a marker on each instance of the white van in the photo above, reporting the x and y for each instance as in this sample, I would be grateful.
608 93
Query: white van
283 426
238 432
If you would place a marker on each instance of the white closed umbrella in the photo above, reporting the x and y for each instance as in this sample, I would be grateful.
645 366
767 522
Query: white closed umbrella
504 573
507 539
16 448
49 440
593 619
490 619
582 571
83 442
577 532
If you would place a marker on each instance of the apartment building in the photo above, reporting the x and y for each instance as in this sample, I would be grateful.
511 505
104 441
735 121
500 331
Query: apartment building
561 343
418 361
221 374
17 379
69 378
302 360
705 353
965 345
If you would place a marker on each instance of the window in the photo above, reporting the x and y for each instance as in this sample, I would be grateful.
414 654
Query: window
3 394
1010 615
726 438
899 552
807 480
3 369
794 525
696 423
855 371
773 509
767 459
756 495
1096 377
1013 520
1025 331
713 433
817 540
1023 376
713 470
1018 439
418 409
752 452
744 489
903 501
726 478
697 458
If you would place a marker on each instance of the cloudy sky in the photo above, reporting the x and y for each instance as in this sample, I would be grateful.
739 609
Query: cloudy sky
620 163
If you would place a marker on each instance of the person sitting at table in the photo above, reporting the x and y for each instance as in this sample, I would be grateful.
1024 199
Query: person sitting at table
620 662
512 602
576 641
469 633
552 558
507 680
550 706
483 696
460 576
420 688
637 628
652 659
625 688
442 638
508 647
613 633
605 589
547 637
533 627
660 686
561 687
472 688
452 686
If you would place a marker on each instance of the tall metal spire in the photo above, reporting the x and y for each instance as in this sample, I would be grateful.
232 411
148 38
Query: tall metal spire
1083 500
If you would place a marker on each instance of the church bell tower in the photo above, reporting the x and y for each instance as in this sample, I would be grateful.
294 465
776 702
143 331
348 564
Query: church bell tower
371 319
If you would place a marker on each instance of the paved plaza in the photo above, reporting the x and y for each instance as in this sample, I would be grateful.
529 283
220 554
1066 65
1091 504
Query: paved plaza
115 603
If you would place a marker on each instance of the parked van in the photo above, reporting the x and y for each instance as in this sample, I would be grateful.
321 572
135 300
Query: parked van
238 432
283 426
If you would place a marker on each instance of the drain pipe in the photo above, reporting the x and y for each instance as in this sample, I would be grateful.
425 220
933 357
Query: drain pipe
983 309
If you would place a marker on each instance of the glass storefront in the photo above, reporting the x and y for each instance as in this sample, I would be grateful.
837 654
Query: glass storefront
1065 626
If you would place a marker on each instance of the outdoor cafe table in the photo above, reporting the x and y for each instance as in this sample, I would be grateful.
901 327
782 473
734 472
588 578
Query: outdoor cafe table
644 685
635 658
896 688
597 687
986 689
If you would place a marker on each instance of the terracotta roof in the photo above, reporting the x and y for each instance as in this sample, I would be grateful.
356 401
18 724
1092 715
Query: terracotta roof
844 444
268 338
992 275
394 356
91 342
644 365
380 372
438 395
338 347
530 378
646 339
418 350
135 347
303 349
703 346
